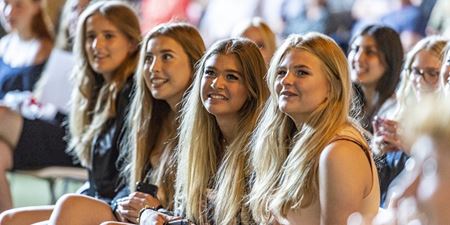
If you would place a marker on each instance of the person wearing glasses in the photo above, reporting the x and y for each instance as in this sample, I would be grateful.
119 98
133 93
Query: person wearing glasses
423 65
420 79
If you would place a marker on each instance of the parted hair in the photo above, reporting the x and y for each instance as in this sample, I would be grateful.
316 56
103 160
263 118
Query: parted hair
391 55
200 142
285 158
147 113
94 99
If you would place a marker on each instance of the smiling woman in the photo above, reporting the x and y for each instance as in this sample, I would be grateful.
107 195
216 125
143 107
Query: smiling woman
310 161
106 50
375 59
217 119
302 89
164 73
222 91
106 46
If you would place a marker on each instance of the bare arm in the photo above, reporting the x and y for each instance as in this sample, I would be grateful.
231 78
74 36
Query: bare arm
345 178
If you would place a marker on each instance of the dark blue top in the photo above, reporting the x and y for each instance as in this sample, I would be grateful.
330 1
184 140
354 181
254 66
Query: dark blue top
104 176
390 165
18 78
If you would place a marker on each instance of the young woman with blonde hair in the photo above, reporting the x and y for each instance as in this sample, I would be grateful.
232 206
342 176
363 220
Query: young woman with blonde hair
106 50
421 77
311 162
217 119
422 67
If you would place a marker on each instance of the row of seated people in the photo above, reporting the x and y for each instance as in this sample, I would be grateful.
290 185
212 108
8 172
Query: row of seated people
188 129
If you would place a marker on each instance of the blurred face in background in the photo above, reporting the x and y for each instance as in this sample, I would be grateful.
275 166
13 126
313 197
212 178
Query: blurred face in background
256 35
425 72
106 46
17 15
366 64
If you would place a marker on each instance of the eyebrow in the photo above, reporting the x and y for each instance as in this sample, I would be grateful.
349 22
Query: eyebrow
297 66
162 51
168 50
226 70
301 66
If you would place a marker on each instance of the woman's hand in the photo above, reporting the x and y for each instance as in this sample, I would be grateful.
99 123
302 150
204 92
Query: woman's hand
129 207
153 217
386 135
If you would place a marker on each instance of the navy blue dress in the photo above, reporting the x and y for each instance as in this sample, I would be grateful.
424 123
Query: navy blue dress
18 78
105 182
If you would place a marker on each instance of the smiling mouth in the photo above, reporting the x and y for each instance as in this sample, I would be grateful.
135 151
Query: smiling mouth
359 69
158 82
217 97
287 94
99 58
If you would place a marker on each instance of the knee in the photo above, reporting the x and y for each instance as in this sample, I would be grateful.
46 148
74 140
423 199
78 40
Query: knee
72 201
5 157
5 113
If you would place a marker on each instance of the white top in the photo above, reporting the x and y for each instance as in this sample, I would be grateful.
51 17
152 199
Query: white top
17 52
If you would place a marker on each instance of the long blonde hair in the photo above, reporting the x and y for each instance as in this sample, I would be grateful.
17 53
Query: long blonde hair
199 166
433 44
147 113
285 160
93 99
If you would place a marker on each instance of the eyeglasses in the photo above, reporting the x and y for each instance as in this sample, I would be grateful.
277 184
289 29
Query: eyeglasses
429 75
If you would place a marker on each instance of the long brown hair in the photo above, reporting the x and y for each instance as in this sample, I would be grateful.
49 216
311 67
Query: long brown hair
390 48
147 113
93 99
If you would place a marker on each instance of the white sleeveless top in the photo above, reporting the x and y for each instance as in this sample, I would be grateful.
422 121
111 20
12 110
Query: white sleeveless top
17 52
